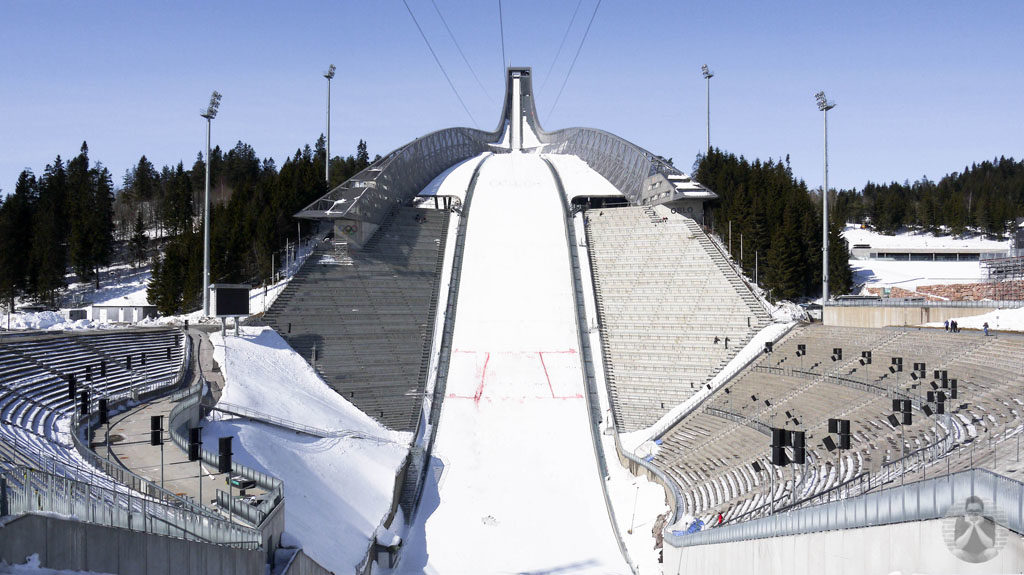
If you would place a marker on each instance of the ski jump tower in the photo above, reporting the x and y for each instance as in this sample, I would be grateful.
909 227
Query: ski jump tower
357 207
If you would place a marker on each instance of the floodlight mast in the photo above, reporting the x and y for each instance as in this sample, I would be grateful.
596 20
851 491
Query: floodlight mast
824 105
210 113
708 74
327 162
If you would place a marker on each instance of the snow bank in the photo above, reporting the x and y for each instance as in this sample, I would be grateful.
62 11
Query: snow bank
998 320
854 234
337 490
579 179
455 179
909 275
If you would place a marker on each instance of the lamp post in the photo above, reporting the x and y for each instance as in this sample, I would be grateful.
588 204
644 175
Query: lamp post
824 105
708 74
327 162
210 113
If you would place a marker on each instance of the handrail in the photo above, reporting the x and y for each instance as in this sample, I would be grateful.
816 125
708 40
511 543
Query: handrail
30 491
919 501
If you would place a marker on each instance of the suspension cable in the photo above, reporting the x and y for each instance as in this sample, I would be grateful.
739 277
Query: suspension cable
561 45
439 65
459 48
571 66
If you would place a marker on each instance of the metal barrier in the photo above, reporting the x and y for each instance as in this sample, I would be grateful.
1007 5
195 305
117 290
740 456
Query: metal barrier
915 302
920 501
29 491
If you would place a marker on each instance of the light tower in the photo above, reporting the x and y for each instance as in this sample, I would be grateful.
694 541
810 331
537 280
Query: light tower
824 105
327 162
209 113
708 74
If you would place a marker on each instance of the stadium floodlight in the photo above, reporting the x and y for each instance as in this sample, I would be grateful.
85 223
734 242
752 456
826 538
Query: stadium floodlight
327 161
708 74
824 105
209 113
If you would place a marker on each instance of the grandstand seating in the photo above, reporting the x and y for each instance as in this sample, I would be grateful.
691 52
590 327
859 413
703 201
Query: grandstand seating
711 452
34 399
369 314
672 310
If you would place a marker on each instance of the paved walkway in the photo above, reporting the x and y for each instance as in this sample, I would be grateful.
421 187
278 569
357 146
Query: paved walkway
129 440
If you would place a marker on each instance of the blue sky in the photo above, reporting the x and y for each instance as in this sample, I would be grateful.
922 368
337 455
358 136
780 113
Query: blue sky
923 88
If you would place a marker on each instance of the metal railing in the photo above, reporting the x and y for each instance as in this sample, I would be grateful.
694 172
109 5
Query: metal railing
921 302
923 500
30 491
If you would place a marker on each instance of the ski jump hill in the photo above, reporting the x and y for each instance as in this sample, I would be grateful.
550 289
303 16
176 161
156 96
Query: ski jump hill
511 297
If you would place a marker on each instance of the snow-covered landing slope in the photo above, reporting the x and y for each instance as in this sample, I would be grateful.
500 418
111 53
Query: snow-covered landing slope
579 179
337 490
515 486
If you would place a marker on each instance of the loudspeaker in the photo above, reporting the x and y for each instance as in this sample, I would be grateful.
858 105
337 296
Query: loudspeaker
931 397
156 430
780 437
83 402
779 456
829 444
893 421
934 385
104 417
224 456
195 441
952 393
768 347
128 362
168 354
756 467
833 425
143 359
940 396
927 409
935 374
940 407
103 368
844 441
897 405
908 418
798 448
88 373
72 388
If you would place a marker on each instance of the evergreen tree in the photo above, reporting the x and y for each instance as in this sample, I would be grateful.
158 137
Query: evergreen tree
16 238
49 241
139 241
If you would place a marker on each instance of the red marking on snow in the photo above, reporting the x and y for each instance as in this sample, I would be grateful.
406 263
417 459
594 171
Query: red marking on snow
540 354
483 375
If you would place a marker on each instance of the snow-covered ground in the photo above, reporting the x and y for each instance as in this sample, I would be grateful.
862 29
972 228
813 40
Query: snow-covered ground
455 179
515 485
579 179
337 489
855 234
911 274
998 320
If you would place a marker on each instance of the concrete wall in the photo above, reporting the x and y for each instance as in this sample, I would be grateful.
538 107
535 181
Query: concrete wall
693 209
302 565
882 316
916 547
77 546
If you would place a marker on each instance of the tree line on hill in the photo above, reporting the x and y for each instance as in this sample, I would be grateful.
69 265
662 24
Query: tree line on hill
72 216
778 220
985 197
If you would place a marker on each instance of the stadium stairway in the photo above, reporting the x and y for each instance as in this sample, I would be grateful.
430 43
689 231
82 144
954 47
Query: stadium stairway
364 319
